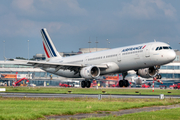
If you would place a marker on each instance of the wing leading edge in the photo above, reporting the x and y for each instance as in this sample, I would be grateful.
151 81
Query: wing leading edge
63 66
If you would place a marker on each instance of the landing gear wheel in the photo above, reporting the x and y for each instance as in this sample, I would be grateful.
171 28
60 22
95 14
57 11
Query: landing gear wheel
126 83
88 84
121 83
158 76
83 84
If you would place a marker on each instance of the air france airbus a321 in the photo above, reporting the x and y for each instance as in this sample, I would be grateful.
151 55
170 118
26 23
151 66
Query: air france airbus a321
144 58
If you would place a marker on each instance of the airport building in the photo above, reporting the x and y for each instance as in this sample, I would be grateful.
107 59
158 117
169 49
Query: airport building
169 72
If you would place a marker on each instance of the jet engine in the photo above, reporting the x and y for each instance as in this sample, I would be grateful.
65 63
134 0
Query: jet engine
90 72
147 72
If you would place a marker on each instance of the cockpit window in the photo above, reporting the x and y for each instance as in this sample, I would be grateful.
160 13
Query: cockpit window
157 48
163 47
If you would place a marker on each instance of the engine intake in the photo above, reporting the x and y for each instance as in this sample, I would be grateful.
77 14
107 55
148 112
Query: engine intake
90 72
147 72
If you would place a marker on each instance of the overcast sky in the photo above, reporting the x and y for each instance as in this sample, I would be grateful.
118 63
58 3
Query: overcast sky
70 23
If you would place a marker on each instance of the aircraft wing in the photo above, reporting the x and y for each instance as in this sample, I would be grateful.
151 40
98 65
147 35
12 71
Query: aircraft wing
64 66
17 62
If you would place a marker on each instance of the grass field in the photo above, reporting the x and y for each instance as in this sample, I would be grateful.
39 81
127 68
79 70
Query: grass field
171 114
131 91
34 108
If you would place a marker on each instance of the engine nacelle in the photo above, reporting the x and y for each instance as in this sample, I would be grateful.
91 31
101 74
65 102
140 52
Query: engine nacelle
90 72
147 72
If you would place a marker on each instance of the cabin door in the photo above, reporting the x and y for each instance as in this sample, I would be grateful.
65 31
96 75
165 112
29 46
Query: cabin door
147 51
119 56
86 60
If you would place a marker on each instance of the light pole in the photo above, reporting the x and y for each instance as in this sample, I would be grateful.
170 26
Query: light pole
96 43
89 44
4 47
28 49
107 43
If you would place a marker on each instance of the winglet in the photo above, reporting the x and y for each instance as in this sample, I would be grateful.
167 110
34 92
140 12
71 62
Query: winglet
49 48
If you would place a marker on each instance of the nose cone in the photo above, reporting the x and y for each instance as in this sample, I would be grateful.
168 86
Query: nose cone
171 55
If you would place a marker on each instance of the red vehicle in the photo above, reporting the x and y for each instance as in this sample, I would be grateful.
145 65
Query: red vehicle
113 85
64 85
178 85
145 86
175 86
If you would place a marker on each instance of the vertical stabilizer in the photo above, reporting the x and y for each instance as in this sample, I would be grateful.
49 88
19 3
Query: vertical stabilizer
49 48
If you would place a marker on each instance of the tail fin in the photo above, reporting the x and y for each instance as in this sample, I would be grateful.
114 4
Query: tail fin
49 48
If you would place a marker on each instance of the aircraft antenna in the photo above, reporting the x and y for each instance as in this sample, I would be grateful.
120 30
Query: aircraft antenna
154 40
89 44
96 43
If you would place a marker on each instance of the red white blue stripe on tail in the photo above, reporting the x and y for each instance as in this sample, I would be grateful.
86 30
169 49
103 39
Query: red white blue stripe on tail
48 45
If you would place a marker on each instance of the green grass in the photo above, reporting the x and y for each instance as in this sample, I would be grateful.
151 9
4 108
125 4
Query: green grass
34 108
92 90
170 114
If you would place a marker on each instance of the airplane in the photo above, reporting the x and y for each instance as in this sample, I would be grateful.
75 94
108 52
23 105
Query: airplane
144 58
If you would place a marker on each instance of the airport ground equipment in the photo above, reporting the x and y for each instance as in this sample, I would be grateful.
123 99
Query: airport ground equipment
7 76
64 85
163 87
15 83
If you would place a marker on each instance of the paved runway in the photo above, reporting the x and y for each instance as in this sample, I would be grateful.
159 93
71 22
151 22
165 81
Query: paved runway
42 95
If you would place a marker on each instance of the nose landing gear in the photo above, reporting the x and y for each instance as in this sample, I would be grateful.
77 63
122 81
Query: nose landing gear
158 76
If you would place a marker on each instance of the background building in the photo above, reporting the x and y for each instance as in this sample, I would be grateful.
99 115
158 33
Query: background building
66 54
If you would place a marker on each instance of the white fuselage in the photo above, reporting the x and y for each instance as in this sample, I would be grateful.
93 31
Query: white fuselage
120 59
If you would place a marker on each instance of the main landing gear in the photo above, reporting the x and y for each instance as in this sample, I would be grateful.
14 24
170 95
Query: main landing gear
124 82
85 83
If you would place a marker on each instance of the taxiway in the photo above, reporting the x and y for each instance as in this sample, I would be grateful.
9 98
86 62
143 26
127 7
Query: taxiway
45 95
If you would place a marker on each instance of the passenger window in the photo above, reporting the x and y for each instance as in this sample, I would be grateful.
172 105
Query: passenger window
157 48
170 48
160 48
